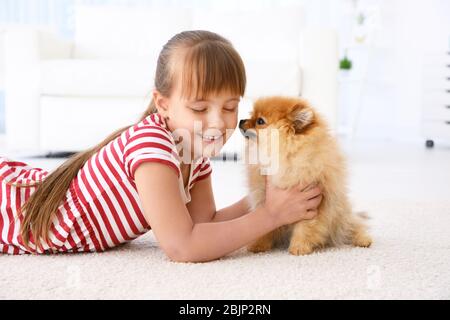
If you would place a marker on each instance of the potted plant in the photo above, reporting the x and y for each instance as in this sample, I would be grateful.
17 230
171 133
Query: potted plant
345 64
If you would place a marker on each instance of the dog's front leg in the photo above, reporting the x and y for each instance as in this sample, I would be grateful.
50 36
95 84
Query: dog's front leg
305 237
265 243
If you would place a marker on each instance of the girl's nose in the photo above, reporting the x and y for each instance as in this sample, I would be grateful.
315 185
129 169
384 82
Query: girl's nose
215 121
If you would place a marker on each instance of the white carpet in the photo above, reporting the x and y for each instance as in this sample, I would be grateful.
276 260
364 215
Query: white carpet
410 259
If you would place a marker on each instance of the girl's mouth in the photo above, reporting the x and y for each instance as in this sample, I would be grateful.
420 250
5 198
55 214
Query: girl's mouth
210 139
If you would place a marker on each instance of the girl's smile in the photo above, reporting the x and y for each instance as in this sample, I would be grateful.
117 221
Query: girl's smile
210 139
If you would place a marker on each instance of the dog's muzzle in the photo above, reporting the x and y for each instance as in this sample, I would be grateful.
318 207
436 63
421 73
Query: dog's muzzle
246 133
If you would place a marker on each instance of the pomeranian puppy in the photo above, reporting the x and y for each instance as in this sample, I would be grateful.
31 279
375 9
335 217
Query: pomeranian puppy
306 152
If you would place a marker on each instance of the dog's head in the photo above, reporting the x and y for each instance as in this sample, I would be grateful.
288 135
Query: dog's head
292 116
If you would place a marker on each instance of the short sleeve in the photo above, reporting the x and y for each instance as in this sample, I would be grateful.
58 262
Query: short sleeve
204 171
149 143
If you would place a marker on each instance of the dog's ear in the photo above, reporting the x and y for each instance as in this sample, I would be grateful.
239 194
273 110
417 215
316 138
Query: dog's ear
301 117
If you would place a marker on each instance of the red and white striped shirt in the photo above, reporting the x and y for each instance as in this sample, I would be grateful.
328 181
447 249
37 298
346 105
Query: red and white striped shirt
101 209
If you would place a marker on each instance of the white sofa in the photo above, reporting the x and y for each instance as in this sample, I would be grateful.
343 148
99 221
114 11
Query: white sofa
68 95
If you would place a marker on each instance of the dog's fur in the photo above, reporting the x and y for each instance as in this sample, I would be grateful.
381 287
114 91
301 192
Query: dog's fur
307 153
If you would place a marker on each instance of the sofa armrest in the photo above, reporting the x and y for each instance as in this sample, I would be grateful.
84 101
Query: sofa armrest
25 47
319 62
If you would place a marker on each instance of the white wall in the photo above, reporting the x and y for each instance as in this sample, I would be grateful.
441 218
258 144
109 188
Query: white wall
421 26
391 101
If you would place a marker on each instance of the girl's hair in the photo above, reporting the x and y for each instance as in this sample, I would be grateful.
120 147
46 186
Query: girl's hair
203 62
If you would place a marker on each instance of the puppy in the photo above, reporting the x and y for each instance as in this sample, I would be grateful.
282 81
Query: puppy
306 152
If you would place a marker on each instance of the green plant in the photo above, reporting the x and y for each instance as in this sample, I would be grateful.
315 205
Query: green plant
345 63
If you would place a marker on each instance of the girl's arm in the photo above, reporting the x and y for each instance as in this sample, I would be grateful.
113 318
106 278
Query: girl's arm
179 237
234 211
202 205
184 241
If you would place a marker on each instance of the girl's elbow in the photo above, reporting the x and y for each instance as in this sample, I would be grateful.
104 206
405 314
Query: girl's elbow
185 255
176 256
179 254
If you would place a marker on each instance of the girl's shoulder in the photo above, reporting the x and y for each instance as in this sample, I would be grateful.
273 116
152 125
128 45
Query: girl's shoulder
150 141
154 120
151 127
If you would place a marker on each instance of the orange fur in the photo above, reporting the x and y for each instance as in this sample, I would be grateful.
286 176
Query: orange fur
307 153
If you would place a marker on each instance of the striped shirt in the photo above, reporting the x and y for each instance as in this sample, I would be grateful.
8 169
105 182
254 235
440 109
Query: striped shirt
101 209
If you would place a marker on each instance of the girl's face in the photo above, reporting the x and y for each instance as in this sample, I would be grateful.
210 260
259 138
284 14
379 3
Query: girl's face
200 127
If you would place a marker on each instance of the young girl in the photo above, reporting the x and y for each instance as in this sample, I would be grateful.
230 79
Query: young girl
135 180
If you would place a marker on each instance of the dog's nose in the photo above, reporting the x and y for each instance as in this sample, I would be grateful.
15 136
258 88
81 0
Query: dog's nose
241 124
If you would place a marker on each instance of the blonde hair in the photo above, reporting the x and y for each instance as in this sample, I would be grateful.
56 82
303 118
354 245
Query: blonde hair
203 62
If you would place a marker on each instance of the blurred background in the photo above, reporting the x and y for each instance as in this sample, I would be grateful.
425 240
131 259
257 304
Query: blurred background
72 71
387 42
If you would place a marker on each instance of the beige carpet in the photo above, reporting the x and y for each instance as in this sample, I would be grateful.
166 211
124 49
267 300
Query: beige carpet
410 259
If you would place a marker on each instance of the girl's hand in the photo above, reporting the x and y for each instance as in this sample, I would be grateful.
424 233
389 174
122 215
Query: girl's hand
291 205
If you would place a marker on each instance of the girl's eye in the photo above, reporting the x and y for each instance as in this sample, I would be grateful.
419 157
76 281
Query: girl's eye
198 111
231 109
260 121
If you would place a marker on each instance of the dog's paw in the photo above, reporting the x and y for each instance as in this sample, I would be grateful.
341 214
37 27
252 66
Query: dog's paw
300 250
259 247
362 240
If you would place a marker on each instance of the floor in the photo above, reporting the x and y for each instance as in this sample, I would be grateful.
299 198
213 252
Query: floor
404 188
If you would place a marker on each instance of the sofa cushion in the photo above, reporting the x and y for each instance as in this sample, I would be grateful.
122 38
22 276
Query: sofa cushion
124 78
89 77
78 123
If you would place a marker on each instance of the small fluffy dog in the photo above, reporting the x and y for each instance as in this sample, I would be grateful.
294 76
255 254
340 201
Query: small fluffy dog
306 153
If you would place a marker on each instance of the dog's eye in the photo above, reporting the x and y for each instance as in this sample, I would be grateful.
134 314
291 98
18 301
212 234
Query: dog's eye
260 121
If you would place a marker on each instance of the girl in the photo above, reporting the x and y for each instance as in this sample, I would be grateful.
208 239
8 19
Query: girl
135 178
